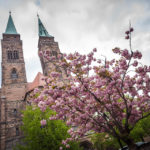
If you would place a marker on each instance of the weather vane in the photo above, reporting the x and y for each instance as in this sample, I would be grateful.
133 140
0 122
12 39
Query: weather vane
37 15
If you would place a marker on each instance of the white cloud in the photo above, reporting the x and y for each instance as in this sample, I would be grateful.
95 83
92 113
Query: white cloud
78 25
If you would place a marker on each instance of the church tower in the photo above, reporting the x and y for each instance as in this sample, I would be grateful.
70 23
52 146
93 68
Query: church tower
13 87
47 43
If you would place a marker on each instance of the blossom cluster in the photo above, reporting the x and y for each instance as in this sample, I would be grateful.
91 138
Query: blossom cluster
128 33
109 99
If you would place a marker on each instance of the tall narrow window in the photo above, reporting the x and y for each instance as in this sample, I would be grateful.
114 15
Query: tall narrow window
14 74
15 55
54 53
17 131
15 111
9 55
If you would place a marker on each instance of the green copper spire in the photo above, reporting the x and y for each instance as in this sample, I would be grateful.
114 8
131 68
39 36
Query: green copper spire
42 31
10 29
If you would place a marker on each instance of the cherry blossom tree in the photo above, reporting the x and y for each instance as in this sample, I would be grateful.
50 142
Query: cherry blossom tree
109 96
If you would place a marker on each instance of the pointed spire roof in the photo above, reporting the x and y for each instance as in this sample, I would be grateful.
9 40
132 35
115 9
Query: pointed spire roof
42 30
10 29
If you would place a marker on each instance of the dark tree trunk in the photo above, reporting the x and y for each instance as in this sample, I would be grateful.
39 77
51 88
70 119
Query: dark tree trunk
142 139
131 144
119 141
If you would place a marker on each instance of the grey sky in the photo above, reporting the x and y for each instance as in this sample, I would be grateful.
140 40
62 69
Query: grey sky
78 25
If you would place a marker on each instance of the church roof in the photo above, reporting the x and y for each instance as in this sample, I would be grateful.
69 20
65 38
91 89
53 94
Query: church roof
10 29
42 30
38 81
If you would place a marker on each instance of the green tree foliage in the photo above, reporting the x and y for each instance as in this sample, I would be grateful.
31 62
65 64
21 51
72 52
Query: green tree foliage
141 130
48 137
103 141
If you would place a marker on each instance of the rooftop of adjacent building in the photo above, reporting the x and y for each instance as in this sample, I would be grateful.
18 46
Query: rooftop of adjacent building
37 82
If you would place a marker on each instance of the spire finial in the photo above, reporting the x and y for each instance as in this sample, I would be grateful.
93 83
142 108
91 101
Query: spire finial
9 12
37 15
129 23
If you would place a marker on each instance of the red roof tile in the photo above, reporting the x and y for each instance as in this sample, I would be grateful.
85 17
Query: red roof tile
38 81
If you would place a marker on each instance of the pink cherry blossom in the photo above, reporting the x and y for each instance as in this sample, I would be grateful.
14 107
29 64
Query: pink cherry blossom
131 29
60 148
135 63
43 122
127 37
102 97
127 32
94 50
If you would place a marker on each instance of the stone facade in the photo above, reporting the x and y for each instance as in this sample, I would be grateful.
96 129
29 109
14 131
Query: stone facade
51 48
13 91
15 87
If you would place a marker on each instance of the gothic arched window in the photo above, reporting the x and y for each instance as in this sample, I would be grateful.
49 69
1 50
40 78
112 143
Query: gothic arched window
9 55
15 55
15 111
12 55
14 74
17 131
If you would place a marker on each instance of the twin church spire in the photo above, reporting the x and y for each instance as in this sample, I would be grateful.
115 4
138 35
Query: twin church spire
45 42
11 29
14 83
42 30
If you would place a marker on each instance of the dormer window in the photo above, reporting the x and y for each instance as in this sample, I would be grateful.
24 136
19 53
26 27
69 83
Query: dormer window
14 74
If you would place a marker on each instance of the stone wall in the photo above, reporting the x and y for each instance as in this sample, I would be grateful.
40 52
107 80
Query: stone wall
12 92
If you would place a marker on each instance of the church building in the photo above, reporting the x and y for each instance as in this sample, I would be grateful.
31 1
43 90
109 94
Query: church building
14 86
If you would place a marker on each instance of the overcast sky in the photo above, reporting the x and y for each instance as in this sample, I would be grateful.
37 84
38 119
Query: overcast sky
78 25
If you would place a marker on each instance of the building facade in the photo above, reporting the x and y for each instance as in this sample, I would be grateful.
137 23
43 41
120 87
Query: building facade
14 86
